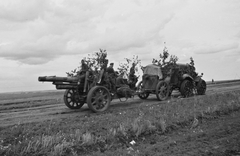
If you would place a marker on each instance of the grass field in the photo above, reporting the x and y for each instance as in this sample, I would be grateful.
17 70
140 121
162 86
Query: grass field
115 132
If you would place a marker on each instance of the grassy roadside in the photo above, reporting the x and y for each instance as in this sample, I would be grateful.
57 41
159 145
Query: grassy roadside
112 132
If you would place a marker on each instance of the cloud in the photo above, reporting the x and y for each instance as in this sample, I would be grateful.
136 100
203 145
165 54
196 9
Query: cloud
37 32
42 49
59 33
216 48
19 11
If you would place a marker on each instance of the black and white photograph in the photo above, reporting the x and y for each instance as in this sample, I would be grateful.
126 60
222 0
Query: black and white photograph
119 77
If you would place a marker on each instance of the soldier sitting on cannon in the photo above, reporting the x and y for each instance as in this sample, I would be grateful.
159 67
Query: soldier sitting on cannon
110 69
120 81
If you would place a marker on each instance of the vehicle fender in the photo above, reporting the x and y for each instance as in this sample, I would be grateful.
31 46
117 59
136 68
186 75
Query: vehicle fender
187 76
198 79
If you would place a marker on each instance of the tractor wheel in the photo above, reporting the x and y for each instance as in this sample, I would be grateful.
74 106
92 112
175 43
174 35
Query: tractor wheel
201 87
162 90
141 95
186 88
98 99
72 99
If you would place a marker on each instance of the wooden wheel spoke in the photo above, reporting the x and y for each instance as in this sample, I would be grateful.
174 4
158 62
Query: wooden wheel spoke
94 97
69 95
71 103
162 90
100 105
94 102
72 99
105 96
104 101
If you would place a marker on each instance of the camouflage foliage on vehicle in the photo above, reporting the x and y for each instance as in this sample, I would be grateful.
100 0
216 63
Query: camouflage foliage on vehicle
163 59
130 66
168 66
93 62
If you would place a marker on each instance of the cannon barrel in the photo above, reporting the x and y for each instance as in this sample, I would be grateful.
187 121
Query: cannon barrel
67 82
65 86
59 79
64 83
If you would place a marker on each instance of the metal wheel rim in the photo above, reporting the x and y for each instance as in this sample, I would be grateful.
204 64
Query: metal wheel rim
188 88
72 99
163 90
100 98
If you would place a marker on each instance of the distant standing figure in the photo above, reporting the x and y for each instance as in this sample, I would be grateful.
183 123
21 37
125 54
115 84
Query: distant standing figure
212 81
110 69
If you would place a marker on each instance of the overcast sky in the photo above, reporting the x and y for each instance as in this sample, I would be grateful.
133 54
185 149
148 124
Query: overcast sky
50 37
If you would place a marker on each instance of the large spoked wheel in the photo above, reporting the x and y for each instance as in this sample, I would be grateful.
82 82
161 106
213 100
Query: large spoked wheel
186 88
98 99
201 87
142 94
72 99
162 90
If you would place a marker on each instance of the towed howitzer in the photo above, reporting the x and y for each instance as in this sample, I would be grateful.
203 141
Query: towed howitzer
91 87
95 87
63 82
77 87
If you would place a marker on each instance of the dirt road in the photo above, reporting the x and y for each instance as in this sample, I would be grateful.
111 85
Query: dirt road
27 107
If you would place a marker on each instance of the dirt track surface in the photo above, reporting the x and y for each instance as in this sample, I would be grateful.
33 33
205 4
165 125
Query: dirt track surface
16 108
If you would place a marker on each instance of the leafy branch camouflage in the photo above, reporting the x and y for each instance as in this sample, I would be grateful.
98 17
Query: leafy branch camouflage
93 62
130 67
163 57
